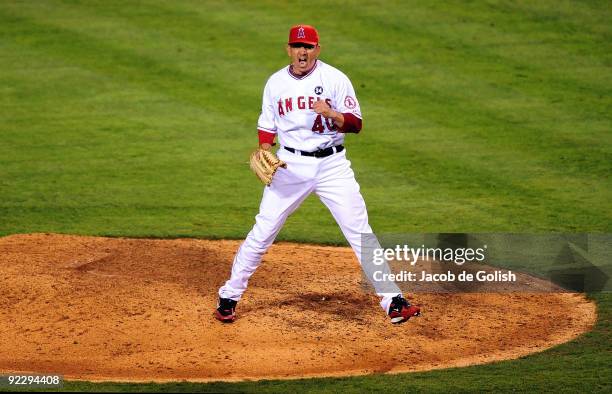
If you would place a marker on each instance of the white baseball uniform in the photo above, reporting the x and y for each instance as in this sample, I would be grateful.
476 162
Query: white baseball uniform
287 112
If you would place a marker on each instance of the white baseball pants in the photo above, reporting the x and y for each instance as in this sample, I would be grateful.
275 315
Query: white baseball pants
333 180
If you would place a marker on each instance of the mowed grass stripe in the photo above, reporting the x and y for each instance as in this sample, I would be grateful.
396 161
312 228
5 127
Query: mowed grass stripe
459 202
460 35
69 39
474 111
470 74
180 38
107 57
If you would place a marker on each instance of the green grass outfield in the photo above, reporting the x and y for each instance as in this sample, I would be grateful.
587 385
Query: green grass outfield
136 119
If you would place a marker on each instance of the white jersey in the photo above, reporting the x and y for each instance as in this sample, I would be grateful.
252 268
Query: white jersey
288 101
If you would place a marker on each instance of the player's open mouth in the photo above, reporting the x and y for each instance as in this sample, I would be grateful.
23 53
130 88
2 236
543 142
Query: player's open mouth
302 62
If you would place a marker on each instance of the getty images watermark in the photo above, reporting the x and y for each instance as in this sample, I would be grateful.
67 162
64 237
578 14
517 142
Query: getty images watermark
486 262
413 256
458 256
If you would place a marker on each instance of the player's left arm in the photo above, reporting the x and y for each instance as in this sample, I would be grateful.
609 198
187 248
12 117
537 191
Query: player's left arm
321 107
347 117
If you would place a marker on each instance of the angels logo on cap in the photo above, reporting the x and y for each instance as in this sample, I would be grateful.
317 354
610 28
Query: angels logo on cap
303 33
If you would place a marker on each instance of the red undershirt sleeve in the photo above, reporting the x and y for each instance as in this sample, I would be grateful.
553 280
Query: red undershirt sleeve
352 124
265 137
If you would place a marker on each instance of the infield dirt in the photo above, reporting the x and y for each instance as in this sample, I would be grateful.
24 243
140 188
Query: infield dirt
96 308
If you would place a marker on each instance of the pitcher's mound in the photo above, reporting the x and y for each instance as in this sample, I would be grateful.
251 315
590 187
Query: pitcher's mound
138 310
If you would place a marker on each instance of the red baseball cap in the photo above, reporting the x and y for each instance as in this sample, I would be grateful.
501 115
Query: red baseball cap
303 33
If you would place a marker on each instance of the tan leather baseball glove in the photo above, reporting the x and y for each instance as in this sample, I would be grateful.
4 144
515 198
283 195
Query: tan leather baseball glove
264 164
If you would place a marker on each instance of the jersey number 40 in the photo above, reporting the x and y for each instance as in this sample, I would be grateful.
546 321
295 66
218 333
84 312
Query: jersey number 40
318 127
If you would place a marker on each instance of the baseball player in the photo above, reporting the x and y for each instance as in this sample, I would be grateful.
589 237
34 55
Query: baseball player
309 106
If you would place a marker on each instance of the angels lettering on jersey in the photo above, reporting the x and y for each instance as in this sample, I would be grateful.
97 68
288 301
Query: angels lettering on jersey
286 105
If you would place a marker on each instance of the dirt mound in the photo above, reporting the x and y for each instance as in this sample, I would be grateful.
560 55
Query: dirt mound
97 308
